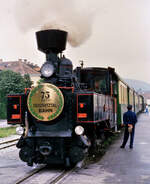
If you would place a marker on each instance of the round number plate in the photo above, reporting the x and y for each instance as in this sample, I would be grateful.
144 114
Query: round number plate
45 102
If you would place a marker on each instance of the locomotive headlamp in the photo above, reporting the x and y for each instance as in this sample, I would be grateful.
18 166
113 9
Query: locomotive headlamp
47 69
79 130
19 130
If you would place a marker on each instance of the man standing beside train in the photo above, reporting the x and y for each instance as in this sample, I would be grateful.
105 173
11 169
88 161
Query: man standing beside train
129 120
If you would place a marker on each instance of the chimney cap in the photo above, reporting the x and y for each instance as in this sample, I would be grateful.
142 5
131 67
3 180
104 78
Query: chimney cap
51 40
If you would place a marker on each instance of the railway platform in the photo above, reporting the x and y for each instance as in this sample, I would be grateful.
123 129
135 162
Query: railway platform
121 166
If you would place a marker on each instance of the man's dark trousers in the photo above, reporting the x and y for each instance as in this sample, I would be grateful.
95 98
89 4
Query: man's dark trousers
129 117
126 136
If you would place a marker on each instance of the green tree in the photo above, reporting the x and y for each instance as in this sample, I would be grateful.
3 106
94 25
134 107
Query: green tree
11 83
28 82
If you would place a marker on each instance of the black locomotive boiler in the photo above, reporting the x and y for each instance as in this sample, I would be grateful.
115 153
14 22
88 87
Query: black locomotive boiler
69 111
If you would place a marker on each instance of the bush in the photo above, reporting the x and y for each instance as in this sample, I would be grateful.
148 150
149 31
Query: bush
3 113
11 83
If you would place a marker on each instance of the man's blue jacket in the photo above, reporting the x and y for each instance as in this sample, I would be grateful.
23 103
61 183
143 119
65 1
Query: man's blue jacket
129 117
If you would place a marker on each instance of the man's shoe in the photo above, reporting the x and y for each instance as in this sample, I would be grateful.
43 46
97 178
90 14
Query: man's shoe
121 146
131 147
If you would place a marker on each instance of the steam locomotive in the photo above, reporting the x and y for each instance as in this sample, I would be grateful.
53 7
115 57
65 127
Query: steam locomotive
70 110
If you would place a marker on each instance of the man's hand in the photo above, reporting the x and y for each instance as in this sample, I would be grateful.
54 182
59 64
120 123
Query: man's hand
129 125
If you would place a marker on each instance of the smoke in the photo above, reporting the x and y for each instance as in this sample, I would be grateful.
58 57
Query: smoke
73 16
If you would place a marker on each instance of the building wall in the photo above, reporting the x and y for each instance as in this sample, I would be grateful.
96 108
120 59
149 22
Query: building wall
35 79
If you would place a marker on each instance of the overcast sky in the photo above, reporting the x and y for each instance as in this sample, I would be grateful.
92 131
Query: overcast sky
115 33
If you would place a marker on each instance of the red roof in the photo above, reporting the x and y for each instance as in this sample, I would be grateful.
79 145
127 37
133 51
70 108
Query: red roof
21 66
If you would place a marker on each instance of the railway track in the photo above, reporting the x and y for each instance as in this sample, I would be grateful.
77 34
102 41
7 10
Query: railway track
61 176
29 175
7 144
50 176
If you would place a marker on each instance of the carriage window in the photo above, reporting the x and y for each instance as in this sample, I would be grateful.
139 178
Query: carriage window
95 80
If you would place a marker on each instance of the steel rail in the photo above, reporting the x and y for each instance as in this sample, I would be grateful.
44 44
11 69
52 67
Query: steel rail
54 180
7 146
6 142
29 175
61 176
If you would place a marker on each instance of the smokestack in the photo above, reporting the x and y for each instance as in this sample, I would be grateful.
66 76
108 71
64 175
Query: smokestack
51 40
